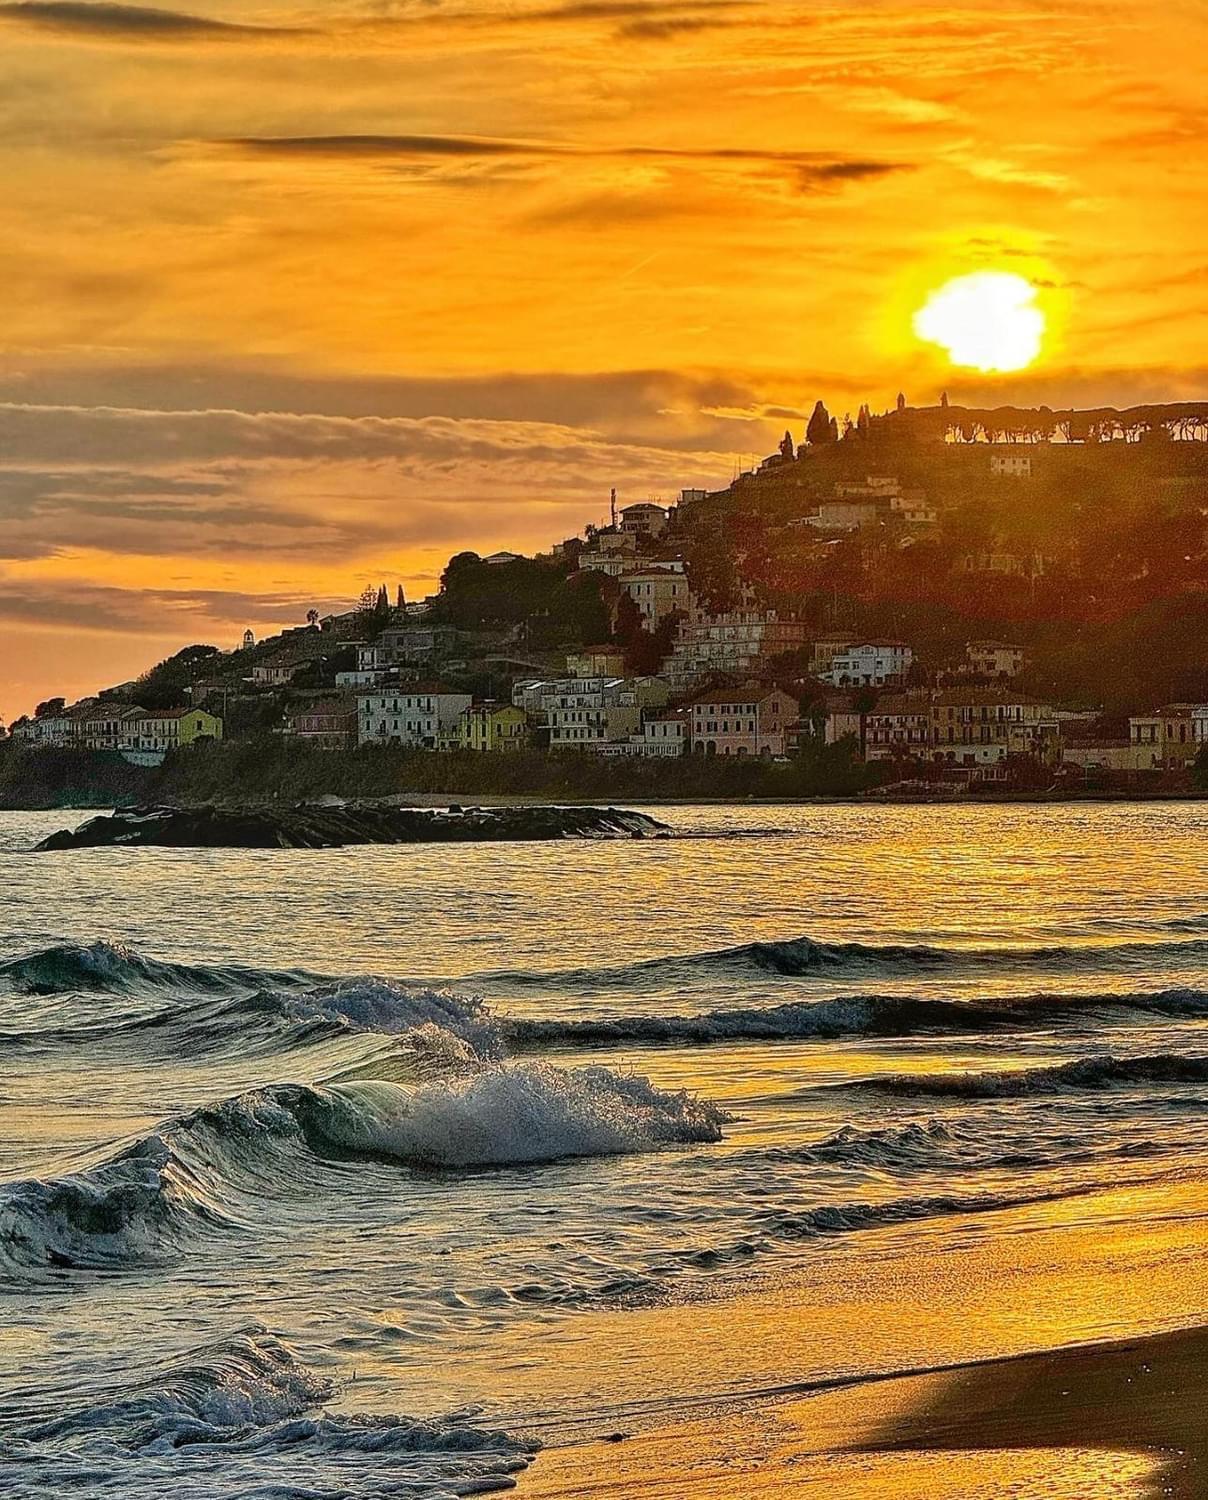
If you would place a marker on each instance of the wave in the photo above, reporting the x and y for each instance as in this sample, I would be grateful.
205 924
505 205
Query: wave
859 1015
806 958
220 1419
113 968
1082 1073
212 1170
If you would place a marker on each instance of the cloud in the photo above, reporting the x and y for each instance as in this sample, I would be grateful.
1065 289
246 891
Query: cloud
812 170
98 20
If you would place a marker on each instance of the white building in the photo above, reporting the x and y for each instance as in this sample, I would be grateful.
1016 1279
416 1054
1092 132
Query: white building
737 643
870 664
413 716
847 515
664 737
581 713
1011 462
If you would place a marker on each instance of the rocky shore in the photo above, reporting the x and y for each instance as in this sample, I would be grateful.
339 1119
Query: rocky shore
311 827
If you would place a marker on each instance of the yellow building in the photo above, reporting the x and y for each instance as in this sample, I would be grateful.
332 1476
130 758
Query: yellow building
1164 740
176 728
492 727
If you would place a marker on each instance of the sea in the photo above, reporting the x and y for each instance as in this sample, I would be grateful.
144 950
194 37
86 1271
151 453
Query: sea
367 1172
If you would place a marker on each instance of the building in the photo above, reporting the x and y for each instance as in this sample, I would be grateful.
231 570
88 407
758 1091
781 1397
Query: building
1011 462
416 716
824 649
582 713
1098 753
414 643
273 674
913 508
736 643
110 726
1166 740
611 564
747 721
994 659
492 727
330 724
596 661
847 515
870 664
898 727
177 729
643 520
979 726
871 487
658 593
499 559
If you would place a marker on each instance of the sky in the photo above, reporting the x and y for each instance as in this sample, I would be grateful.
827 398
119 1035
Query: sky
299 298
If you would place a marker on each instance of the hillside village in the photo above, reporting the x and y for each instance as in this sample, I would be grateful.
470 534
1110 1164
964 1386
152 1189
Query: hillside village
949 598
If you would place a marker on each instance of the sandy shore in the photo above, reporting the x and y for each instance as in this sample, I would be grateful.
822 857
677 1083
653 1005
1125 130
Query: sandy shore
1099 1421
748 1396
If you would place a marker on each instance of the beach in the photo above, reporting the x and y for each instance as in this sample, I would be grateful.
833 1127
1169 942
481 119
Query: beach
830 1151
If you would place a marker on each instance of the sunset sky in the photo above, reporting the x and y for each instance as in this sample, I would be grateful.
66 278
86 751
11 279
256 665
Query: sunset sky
300 298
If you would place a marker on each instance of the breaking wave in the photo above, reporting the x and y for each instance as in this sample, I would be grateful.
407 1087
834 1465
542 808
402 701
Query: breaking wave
211 1170
229 1415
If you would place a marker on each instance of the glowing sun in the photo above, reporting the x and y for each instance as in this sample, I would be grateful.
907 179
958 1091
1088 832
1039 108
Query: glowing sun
987 321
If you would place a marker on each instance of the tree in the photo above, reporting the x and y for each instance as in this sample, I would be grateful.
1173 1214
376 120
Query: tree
864 421
901 401
312 617
819 429
50 706
382 605
944 398
400 601
834 429
787 449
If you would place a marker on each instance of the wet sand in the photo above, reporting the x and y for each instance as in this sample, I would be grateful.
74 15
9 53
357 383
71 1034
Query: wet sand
1128 1419
1093 1416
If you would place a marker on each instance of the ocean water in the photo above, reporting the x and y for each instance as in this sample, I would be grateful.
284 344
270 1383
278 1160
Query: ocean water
331 1173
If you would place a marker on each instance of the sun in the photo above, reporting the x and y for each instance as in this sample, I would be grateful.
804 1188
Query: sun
986 321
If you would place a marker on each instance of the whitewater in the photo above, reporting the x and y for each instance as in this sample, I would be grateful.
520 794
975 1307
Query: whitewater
331 1173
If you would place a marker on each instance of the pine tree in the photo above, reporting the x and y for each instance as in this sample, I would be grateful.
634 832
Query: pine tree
400 602
943 398
901 401
382 607
864 421
834 429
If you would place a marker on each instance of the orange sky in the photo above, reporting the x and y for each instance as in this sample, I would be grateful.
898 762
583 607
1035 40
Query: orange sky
299 298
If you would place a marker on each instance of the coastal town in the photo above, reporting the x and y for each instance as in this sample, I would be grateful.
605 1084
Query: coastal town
647 637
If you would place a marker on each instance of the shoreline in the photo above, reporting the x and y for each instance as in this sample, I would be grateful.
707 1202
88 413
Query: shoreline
531 799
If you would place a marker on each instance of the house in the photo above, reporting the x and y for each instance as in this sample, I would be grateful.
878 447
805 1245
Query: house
913 508
492 727
898 727
611 564
658 593
414 643
330 724
498 559
643 520
994 659
846 515
273 674
597 661
176 729
747 721
870 664
417 716
824 649
582 713
1011 463
736 642
110 726
1166 739
663 737
980 726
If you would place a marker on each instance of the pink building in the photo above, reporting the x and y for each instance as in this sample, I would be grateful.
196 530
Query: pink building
751 720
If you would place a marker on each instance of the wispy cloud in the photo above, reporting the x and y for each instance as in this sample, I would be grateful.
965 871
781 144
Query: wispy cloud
98 20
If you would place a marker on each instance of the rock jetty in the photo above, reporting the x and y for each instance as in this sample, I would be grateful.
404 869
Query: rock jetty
310 827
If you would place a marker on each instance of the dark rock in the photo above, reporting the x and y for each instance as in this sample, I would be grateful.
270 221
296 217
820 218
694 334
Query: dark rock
310 827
